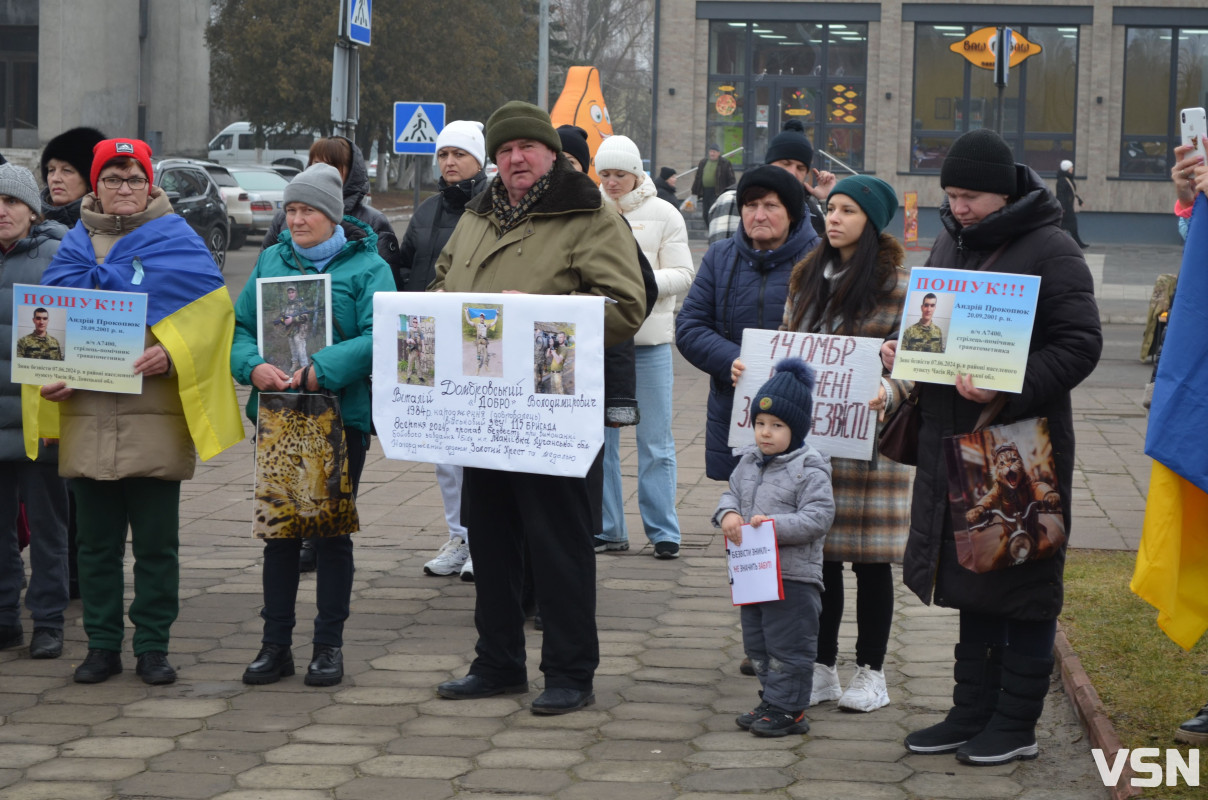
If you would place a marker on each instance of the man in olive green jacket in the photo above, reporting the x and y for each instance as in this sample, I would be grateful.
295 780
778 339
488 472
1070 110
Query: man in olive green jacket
540 228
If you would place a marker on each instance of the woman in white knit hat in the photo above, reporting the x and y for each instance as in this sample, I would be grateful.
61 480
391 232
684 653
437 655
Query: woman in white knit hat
663 237
461 156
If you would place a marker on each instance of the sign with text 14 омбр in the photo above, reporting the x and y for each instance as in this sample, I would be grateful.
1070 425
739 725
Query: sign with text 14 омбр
973 323
847 375
509 382
88 338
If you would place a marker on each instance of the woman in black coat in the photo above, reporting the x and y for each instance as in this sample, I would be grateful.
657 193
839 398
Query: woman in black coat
1008 617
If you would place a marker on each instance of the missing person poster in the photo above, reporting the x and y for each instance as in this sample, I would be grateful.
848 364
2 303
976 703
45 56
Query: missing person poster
847 376
86 337
975 323
499 381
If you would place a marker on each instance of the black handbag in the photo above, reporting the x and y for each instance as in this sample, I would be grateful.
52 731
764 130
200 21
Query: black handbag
898 439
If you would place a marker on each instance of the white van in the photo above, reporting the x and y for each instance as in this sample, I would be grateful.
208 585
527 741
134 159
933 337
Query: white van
236 144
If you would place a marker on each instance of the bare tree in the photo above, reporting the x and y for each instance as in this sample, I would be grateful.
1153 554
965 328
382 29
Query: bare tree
617 38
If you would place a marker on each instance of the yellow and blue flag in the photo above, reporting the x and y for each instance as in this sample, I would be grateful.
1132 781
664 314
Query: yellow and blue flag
188 309
1171 573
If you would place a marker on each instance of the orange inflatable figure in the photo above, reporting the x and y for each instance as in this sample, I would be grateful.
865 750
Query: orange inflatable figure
582 103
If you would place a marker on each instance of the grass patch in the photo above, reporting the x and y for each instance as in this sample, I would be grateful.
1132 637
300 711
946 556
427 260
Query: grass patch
1148 684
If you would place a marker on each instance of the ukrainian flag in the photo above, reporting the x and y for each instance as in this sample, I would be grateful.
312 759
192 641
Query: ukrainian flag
1172 563
188 309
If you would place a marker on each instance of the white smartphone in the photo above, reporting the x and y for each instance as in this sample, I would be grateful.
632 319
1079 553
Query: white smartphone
1195 128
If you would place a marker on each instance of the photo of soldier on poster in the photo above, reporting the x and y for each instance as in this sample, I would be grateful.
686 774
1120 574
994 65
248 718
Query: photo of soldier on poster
554 357
292 319
417 350
482 340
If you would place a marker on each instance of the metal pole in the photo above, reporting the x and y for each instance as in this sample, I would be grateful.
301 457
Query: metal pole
543 57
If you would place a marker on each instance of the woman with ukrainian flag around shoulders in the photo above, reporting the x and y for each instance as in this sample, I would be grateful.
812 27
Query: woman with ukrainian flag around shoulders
126 454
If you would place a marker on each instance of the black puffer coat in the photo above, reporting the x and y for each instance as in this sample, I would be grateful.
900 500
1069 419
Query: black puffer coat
67 215
356 187
1065 347
430 229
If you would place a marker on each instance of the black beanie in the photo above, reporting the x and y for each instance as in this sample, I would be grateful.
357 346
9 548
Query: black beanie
666 172
790 143
74 147
980 161
574 143
789 394
777 180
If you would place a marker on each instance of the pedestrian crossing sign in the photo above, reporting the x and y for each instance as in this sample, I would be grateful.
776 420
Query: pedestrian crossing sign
416 125
360 14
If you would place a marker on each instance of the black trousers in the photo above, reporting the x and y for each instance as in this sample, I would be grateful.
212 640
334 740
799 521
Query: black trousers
547 521
874 612
333 576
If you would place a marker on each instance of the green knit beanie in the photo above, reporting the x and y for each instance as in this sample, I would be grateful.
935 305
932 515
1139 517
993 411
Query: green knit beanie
517 119
876 197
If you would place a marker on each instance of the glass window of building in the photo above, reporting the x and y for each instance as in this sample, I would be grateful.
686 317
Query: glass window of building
813 73
1165 70
953 96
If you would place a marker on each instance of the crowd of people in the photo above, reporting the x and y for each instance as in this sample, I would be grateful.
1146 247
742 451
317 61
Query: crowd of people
792 248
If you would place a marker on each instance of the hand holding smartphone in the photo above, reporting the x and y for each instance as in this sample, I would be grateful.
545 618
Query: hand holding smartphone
1194 128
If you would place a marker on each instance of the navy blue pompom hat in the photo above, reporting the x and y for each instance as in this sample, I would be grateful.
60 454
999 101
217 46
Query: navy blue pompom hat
789 394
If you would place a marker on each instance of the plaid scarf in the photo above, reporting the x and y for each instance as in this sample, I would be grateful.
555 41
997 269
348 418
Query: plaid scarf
510 216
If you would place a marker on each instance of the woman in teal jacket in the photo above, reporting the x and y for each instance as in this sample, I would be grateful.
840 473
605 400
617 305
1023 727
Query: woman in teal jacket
319 239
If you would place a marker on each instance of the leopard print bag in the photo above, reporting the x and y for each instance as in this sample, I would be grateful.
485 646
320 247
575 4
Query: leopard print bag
303 488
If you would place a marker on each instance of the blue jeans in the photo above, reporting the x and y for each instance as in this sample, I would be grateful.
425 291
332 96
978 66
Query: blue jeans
656 454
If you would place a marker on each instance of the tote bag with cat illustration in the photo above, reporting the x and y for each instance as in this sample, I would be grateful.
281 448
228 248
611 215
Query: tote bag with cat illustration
303 488
1003 495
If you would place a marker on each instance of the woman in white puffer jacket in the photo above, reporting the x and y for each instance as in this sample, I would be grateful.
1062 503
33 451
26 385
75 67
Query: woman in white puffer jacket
663 237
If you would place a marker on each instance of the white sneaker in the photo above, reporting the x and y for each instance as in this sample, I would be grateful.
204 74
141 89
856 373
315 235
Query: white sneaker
826 684
467 571
866 692
453 554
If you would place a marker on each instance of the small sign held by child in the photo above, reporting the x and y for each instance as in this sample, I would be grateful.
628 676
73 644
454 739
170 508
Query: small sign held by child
755 565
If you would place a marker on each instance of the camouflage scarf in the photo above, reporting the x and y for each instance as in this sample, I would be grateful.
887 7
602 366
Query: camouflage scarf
510 216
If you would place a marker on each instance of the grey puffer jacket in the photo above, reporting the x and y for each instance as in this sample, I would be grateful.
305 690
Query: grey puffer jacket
356 187
794 489
23 264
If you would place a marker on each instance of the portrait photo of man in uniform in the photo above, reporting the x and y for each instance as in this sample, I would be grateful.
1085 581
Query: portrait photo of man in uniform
39 343
925 335
293 319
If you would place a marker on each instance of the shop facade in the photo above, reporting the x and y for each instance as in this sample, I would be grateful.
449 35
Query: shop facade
886 87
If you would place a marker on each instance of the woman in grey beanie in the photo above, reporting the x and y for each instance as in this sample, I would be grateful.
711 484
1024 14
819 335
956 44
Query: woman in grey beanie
320 239
27 245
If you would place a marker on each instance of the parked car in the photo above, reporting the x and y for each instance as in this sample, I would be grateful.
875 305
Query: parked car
286 171
265 189
238 204
196 198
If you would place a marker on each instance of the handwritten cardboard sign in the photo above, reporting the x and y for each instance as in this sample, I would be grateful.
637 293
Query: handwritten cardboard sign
754 566
848 373
500 381
974 323
88 338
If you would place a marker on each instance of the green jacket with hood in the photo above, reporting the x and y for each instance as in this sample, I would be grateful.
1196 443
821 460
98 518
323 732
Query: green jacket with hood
357 272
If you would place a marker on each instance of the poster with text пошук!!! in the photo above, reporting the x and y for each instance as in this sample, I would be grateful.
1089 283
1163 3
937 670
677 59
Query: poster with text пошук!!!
87 338
754 565
973 323
847 372
498 381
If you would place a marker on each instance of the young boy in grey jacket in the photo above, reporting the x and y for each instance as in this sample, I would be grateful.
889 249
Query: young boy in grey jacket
787 481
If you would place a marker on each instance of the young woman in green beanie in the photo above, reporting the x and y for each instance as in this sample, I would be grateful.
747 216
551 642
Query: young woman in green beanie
854 284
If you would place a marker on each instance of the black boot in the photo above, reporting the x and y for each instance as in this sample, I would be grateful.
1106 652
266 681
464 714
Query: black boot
272 663
326 666
977 671
1011 732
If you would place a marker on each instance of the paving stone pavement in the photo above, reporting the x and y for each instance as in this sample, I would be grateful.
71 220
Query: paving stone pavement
667 689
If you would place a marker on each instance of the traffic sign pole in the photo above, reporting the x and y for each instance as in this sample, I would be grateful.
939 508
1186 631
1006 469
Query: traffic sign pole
354 28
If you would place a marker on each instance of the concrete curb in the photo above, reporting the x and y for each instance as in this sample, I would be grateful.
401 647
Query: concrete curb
1092 713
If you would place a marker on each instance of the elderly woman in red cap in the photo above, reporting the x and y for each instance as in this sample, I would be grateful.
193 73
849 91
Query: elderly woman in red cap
126 454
